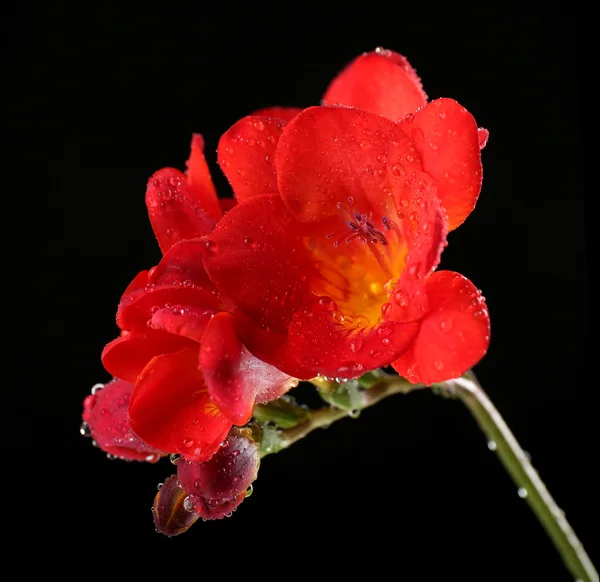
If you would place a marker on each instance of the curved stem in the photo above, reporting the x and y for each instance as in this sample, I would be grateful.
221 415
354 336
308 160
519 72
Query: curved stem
531 487
500 439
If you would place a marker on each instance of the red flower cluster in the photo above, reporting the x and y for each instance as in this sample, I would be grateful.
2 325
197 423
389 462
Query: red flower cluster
323 264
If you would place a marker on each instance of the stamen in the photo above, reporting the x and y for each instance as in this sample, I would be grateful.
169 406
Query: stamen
361 227
381 259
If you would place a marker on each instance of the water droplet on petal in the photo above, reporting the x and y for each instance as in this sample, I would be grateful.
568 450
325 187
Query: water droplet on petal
96 388
356 345
484 135
446 325
386 309
250 490
174 458
84 430
159 487
354 413
384 330
400 298
188 504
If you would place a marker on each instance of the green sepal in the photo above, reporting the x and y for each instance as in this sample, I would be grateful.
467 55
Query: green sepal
344 395
284 412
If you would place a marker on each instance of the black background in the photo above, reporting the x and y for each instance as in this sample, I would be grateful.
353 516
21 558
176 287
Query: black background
110 95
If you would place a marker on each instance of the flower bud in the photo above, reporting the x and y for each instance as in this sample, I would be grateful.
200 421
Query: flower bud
227 474
172 511
106 420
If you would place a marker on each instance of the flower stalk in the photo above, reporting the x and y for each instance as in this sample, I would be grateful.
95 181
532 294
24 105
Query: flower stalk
500 440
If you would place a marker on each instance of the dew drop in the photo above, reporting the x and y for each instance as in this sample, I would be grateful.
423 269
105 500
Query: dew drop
446 325
354 413
484 135
386 309
188 504
384 330
96 388
187 443
400 298
250 490
439 365
174 458
84 430
492 445
159 486
522 492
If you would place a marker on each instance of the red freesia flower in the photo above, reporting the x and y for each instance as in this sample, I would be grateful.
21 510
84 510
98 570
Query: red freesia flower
328 259
193 376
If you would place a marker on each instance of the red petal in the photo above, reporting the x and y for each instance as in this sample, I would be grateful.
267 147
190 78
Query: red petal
328 347
174 212
215 508
105 412
199 181
270 346
170 510
139 281
182 320
136 309
423 223
227 474
170 408
446 136
246 154
126 356
182 263
257 260
334 157
454 333
284 113
233 375
227 204
381 82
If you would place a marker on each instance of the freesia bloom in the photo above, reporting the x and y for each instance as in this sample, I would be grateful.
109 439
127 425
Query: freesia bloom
328 259
193 376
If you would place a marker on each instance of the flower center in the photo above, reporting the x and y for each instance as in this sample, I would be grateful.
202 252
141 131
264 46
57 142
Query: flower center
358 264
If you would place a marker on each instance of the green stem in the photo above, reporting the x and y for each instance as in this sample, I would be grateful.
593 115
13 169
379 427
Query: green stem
531 487
323 417
500 439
